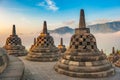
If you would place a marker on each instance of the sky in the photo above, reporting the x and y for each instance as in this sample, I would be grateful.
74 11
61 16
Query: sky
31 13
28 15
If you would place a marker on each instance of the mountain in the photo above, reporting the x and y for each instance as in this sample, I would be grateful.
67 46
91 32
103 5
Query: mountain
62 30
97 28
106 27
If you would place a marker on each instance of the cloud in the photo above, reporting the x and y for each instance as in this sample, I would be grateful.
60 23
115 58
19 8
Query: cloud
66 38
70 22
101 20
105 41
49 4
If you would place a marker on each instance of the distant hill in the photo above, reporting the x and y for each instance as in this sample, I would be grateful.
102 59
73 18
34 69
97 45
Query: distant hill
106 27
62 30
97 28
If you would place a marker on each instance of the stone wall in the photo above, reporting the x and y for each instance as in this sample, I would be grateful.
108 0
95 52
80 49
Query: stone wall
4 60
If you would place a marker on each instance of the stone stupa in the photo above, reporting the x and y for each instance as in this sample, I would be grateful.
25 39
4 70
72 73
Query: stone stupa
114 56
117 63
83 59
14 44
61 47
43 48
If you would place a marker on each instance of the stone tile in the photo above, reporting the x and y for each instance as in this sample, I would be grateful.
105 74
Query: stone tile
88 64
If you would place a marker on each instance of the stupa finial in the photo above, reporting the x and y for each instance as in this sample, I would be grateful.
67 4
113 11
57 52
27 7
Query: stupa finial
61 41
82 19
113 50
45 27
14 30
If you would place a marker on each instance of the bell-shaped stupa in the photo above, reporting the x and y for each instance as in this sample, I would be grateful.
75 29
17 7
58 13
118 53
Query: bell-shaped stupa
117 63
83 59
14 44
61 47
43 48
114 56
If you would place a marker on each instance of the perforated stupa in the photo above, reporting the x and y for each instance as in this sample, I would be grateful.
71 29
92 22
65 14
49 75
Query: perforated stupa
61 47
83 59
43 48
14 45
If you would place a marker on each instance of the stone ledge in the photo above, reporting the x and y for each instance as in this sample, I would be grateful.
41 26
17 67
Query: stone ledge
76 63
84 58
84 69
86 75
14 71
42 59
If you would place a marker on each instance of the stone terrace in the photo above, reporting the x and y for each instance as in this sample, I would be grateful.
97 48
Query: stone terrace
45 71
14 71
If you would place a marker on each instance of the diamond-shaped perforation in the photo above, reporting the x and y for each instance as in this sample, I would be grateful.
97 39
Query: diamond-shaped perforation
74 36
92 46
84 41
70 46
80 43
85 47
81 36
77 39
76 46
88 43
73 43
45 41
94 43
13 40
47 44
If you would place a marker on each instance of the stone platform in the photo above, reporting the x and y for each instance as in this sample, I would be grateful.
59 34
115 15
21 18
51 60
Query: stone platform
45 71
14 71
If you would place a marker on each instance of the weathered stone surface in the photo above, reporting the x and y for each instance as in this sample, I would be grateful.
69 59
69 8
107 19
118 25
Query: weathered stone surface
14 45
43 48
83 59
45 71
4 60
117 63
14 70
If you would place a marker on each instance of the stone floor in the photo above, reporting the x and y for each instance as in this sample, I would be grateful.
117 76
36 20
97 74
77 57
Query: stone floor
45 71
14 71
